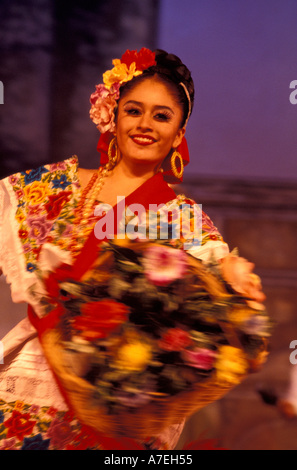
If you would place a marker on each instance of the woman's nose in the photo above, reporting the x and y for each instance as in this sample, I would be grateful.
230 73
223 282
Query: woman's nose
145 122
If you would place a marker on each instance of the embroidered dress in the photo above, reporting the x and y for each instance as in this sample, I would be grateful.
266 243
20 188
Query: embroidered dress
36 217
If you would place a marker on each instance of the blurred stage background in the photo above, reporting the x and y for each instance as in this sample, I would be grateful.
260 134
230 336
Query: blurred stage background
242 139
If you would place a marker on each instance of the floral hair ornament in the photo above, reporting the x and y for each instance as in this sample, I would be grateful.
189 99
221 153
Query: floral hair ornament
104 99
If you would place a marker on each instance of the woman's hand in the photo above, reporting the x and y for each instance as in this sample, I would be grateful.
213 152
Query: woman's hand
238 273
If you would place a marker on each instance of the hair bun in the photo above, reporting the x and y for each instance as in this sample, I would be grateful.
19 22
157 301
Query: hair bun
172 65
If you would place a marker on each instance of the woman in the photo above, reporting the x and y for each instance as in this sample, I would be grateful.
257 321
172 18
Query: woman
48 222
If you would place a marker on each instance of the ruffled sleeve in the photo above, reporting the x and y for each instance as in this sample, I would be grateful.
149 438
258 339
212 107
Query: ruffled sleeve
36 206
212 245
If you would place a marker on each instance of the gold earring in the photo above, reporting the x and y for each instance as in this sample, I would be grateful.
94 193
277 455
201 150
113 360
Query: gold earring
113 159
177 173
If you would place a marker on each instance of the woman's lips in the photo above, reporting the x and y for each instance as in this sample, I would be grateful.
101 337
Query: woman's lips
143 139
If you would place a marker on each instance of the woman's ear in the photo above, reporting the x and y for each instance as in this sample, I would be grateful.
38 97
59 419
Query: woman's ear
179 137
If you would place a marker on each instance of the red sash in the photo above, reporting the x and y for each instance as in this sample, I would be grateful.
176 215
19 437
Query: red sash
153 191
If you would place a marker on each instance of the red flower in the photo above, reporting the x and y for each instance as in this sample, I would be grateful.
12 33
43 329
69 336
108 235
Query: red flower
84 440
143 59
23 233
56 204
98 319
52 411
19 425
175 339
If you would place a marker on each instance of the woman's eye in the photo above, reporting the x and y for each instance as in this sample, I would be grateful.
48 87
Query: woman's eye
163 117
133 112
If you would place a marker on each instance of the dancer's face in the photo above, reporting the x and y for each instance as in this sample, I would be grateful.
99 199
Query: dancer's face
148 123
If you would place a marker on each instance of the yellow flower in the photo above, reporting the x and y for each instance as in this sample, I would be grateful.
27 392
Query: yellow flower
19 405
36 192
240 315
231 365
134 356
120 73
20 217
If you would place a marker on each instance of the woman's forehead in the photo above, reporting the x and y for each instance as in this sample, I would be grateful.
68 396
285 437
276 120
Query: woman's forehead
151 91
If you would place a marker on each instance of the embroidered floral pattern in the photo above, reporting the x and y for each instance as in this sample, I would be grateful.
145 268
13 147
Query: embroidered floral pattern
31 427
180 223
45 203
25 426
45 211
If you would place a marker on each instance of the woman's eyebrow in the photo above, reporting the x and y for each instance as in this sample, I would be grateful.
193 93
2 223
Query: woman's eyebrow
139 103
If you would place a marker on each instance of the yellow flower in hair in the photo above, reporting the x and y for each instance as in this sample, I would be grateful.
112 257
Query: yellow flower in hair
120 73
231 365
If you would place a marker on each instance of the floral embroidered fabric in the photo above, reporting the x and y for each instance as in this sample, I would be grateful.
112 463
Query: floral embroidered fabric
45 203
25 426
30 427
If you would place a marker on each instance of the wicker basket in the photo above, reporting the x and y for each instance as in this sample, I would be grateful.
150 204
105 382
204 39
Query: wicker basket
150 419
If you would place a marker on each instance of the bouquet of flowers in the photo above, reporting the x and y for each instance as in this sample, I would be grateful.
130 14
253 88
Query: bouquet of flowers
151 334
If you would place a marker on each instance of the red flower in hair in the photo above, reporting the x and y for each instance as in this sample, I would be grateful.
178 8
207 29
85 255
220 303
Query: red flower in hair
143 59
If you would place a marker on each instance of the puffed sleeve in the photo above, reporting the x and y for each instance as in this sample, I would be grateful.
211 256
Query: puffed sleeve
205 241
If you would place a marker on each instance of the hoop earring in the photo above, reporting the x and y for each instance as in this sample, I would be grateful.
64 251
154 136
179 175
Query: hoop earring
177 173
113 159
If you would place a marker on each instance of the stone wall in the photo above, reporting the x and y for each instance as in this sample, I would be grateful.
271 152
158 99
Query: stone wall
52 53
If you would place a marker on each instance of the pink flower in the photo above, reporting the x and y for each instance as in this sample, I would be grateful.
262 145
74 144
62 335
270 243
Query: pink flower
13 179
103 107
60 433
200 358
58 166
8 444
163 265
238 273
39 229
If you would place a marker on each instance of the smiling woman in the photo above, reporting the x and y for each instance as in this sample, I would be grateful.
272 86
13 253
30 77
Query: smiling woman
120 327
148 125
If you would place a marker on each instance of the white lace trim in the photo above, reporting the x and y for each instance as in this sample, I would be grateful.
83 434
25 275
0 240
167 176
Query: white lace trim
27 377
12 261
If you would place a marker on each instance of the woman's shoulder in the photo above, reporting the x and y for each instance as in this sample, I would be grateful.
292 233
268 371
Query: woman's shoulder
39 184
39 205
68 167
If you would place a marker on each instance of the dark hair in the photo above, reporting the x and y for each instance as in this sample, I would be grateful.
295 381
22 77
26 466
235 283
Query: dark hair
169 69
